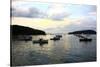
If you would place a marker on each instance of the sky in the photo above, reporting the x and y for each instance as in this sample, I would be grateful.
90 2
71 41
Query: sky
53 17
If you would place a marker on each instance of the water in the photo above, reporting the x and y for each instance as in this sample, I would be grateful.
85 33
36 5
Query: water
66 50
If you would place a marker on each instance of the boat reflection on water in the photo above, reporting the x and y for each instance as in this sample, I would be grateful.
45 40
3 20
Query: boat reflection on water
22 37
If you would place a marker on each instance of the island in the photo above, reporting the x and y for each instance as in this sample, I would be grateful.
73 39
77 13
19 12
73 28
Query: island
83 32
22 30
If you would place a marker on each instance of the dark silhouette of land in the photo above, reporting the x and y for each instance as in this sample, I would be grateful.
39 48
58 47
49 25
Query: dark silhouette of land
22 30
83 32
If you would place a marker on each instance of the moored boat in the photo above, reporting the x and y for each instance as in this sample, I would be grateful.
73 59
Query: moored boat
41 41
85 39
58 35
55 38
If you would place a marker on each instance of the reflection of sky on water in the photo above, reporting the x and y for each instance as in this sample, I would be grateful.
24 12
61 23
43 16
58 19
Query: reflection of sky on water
67 49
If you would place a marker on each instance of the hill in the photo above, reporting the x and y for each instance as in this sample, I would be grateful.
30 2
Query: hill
22 30
83 32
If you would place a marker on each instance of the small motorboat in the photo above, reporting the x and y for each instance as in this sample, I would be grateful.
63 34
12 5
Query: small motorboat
85 39
40 41
58 35
55 38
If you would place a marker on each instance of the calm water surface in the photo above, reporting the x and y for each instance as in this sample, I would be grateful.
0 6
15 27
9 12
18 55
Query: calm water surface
66 50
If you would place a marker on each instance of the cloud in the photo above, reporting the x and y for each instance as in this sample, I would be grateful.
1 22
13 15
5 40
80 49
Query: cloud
86 22
20 12
47 18
69 28
57 12
82 23
93 14
59 16
93 11
54 11
27 12
93 8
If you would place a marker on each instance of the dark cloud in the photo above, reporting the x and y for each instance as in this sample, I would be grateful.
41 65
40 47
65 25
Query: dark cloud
19 13
36 13
30 13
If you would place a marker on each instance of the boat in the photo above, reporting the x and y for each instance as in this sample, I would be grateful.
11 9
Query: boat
55 38
58 35
40 41
85 39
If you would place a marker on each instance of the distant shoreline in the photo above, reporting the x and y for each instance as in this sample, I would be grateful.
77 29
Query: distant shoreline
83 32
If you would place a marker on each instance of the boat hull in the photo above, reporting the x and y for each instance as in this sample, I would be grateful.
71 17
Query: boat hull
41 42
85 39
